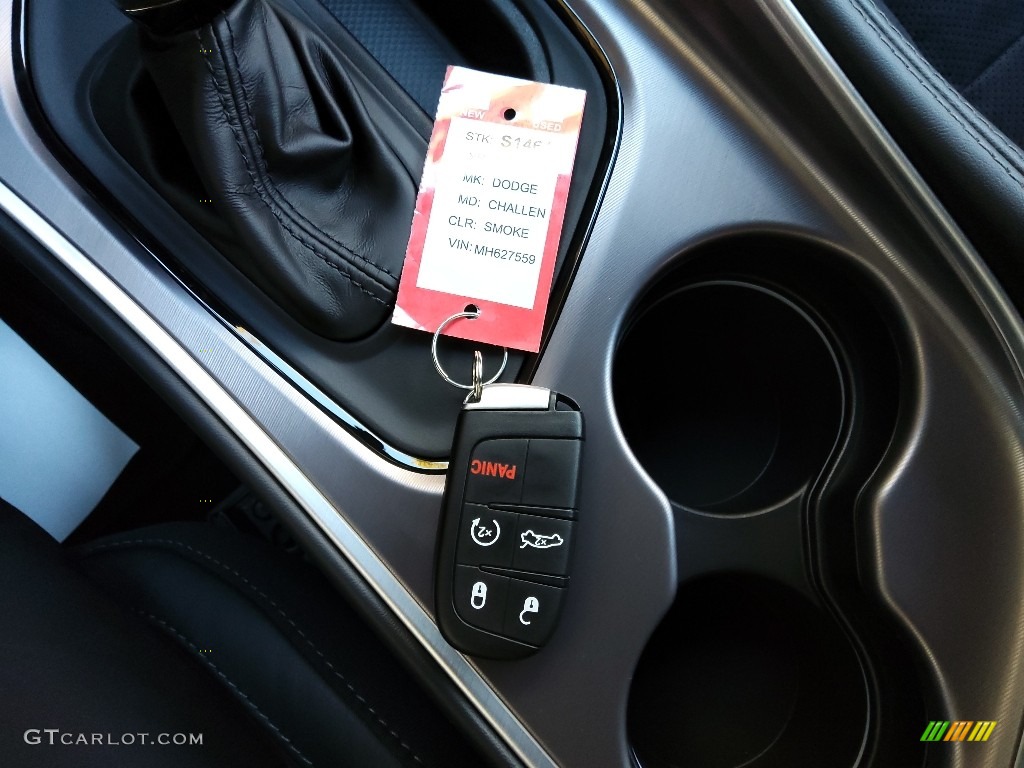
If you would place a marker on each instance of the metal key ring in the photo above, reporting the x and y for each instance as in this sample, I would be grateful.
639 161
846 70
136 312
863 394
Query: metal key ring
437 363
478 379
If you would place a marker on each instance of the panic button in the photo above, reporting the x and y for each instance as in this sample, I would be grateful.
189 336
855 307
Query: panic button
496 469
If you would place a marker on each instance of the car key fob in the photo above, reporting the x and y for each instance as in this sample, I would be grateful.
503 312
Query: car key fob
510 513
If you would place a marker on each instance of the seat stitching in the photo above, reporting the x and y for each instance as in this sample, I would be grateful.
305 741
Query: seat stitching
984 145
181 545
935 88
258 189
246 700
932 88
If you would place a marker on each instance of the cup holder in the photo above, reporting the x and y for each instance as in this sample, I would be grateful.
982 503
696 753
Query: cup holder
746 672
729 396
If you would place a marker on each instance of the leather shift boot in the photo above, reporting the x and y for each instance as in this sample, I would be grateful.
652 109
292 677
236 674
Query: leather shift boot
312 204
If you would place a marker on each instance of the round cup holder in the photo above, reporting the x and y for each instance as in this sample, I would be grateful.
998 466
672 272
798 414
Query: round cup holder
745 672
729 396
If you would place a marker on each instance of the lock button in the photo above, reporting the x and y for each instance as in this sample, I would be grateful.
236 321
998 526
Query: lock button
480 597
531 611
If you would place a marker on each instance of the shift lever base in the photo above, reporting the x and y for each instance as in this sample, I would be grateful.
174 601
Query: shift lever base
169 17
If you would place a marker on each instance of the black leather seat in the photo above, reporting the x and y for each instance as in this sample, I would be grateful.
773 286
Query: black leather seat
978 46
967 157
183 629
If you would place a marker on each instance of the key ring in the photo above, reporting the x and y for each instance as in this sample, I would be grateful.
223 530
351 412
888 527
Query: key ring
478 379
477 384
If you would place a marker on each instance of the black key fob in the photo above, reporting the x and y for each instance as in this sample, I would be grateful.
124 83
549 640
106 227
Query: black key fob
509 518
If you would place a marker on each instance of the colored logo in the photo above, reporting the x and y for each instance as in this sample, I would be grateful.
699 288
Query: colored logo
959 730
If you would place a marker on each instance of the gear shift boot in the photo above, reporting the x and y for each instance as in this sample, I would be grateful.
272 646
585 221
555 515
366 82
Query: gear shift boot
299 186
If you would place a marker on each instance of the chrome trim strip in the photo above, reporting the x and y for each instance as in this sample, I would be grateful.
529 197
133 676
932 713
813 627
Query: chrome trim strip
288 474
359 430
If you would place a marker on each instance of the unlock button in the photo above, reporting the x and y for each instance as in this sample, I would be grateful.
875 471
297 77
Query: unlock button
531 611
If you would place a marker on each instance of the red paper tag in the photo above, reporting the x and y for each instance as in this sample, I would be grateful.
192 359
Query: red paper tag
490 208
